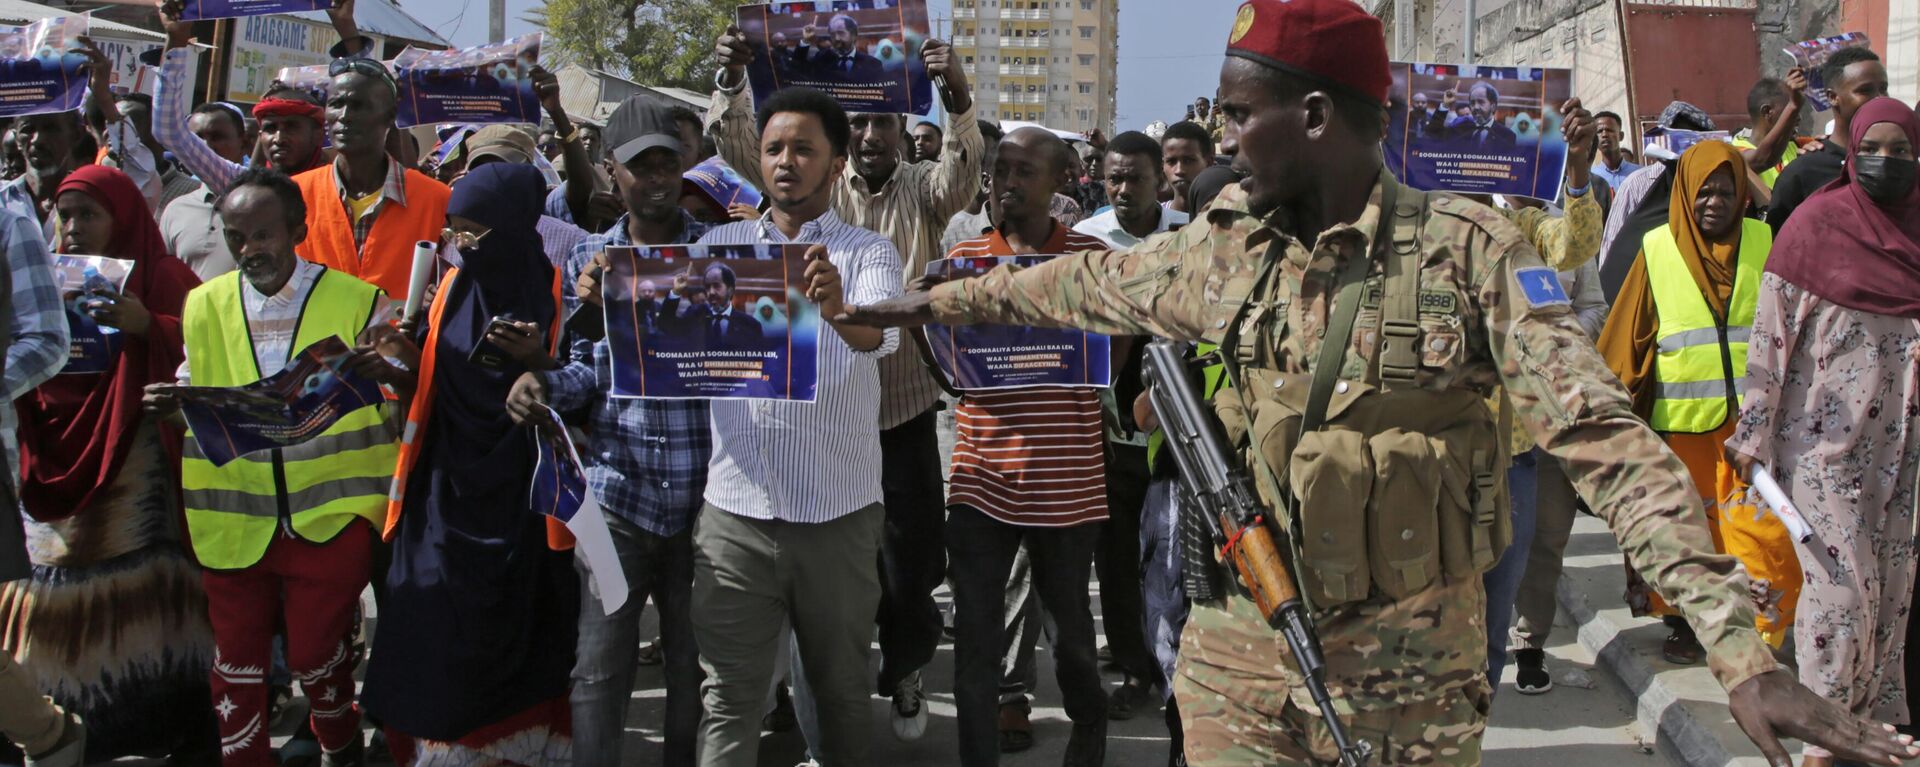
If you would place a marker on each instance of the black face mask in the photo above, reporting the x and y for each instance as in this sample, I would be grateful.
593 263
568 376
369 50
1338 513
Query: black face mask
1886 180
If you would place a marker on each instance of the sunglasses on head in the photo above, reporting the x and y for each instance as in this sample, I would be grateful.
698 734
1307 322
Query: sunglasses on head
361 66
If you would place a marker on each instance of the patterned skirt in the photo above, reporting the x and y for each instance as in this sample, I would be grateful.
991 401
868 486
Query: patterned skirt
113 621
540 736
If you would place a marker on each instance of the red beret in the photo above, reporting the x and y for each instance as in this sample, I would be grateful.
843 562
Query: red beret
1330 41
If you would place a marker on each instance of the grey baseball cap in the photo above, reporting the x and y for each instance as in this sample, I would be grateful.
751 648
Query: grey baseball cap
640 123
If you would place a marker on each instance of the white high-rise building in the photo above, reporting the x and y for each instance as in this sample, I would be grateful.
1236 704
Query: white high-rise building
1046 61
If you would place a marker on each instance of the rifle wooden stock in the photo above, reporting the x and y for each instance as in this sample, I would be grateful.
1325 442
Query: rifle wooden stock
1262 568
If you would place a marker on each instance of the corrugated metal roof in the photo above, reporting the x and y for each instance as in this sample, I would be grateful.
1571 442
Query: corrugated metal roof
383 18
23 12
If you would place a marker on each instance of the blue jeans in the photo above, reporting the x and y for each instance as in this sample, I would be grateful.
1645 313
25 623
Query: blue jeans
603 670
1503 581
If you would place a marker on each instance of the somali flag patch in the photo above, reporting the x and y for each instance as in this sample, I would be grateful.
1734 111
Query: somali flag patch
1542 287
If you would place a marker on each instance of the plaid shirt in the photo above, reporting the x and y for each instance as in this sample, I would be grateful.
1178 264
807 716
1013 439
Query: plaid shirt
394 190
646 458
37 332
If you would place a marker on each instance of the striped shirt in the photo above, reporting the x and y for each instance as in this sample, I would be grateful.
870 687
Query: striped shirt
1032 456
810 462
911 210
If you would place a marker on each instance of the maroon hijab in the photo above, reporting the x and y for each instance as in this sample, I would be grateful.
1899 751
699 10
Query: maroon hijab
1845 248
76 430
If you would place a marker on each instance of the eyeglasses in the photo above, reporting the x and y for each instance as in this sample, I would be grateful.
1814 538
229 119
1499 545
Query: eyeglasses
462 239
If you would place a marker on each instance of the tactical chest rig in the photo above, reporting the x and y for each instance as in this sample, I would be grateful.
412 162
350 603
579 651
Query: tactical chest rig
1379 487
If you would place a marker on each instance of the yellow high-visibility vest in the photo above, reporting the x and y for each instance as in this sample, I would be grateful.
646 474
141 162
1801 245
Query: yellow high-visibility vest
1700 374
316 488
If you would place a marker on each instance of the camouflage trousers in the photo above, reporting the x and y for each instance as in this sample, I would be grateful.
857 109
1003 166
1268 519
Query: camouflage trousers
1235 718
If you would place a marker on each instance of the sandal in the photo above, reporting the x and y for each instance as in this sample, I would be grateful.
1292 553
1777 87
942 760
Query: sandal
1682 648
1016 732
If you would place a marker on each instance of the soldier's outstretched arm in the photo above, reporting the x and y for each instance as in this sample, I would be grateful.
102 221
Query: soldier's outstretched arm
1578 412
1168 286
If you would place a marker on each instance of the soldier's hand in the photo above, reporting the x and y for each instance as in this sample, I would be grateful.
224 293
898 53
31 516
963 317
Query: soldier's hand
909 310
1774 704
732 54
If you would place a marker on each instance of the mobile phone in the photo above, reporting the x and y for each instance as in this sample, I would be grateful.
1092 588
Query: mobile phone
485 353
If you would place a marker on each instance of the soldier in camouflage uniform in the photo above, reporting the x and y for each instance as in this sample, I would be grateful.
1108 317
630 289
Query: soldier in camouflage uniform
1303 92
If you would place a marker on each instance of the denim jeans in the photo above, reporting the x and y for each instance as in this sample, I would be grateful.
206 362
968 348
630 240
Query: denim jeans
603 670
1503 581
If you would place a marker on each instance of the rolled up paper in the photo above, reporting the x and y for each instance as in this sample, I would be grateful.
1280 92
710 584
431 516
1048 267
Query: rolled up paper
1782 507
424 253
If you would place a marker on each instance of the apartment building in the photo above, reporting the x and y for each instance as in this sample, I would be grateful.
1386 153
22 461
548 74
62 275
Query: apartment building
1047 61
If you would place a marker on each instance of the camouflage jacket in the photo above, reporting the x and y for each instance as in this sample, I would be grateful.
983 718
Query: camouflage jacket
1485 332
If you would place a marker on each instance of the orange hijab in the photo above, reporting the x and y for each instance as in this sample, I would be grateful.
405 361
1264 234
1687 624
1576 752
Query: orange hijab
1712 263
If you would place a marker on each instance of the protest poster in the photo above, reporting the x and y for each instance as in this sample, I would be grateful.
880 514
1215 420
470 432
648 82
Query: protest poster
264 46
560 491
864 53
1808 55
283 409
1677 141
720 186
711 322
312 79
86 283
40 67
1477 129
200 10
130 75
984 357
491 83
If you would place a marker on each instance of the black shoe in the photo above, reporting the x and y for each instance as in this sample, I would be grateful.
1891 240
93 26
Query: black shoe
1088 746
1530 675
354 755
1131 697
781 718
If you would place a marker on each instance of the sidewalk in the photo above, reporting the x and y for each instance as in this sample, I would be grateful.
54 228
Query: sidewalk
1680 707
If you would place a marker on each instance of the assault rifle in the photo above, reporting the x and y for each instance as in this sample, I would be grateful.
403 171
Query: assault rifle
1217 490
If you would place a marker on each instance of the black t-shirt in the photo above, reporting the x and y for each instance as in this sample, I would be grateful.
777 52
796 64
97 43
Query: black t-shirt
1804 176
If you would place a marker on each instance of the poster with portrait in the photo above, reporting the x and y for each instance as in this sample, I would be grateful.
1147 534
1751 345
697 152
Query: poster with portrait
1677 141
199 10
1809 55
1478 130
719 187
983 357
87 284
560 490
491 83
40 67
864 53
711 322
286 408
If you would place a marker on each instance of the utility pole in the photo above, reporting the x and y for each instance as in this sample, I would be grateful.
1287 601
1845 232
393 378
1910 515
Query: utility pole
496 20
1466 50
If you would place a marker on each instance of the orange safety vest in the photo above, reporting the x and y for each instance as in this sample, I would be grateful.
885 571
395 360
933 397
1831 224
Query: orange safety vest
558 537
387 259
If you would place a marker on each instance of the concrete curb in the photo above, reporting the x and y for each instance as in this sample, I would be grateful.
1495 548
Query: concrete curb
1662 714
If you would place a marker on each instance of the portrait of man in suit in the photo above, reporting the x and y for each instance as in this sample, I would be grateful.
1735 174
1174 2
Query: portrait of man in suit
842 58
1480 130
727 326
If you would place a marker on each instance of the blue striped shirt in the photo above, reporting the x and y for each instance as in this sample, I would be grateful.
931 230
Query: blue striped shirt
810 462
646 458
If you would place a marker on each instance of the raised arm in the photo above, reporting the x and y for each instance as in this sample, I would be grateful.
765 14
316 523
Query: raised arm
1767 149
730 118
172 107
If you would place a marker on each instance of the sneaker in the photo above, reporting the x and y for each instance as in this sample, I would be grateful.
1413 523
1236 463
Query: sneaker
69 751
354 755
1016 730
1530 675
1088 745
909 708
1131 697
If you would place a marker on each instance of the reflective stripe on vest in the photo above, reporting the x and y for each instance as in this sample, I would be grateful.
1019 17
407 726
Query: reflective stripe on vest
322 485
1700 373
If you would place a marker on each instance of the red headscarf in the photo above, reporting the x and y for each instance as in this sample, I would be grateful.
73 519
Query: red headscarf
76 430
1844 247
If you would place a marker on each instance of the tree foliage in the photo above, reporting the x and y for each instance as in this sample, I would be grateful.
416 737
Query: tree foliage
654 42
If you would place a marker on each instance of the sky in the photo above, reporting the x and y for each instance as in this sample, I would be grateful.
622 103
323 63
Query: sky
1170 50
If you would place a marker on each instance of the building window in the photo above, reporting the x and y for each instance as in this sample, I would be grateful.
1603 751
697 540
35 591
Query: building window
969 61
1086 5
1086 33
1086 87
1086 60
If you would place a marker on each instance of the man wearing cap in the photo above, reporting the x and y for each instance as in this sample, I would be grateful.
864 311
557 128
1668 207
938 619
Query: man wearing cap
910 205
647 460
514 144
1459 302
365 210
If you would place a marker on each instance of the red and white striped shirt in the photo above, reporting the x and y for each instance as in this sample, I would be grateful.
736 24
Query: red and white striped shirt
1034 456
